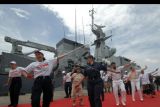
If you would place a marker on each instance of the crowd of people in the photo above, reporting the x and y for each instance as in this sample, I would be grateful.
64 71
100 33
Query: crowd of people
109 78
101 78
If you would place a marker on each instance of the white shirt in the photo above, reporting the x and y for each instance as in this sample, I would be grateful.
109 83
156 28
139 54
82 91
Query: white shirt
145 78
117 76
41 68
125 77
101 73
16 72
105 77
67 77
136 76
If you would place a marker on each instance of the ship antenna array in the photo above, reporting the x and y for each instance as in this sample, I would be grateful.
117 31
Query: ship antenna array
64 32
75 27
92 15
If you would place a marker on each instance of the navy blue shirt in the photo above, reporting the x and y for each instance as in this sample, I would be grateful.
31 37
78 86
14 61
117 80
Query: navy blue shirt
93 71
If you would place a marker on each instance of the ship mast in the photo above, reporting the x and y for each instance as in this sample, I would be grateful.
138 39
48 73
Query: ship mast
75 29
92 16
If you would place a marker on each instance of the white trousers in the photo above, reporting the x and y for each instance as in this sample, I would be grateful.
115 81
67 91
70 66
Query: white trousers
119 84
136 84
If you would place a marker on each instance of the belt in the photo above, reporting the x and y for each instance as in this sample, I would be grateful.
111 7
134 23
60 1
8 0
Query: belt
43 77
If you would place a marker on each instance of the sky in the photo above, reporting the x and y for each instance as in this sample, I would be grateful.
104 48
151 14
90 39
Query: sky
135 27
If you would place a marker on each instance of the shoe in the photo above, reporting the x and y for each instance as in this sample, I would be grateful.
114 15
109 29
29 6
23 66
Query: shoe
15 106
73 105
124 104
66 97
141 99
133 100
117 104
10 105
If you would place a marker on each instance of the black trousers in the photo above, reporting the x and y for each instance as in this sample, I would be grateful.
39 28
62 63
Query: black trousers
157 85
14 90
68 88
94 92
148 89
128 87
52 91
102 90
42 84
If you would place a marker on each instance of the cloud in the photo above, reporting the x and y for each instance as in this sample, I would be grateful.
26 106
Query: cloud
36 29
20 13
135 28
1 13
68 17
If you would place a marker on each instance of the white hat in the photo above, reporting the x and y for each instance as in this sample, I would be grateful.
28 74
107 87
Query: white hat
126 71
13 62
101 71
63 72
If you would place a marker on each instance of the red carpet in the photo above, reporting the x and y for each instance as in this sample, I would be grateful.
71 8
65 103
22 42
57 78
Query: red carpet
109 102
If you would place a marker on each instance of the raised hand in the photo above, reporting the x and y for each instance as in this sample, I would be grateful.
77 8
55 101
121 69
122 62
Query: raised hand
61 56
145 66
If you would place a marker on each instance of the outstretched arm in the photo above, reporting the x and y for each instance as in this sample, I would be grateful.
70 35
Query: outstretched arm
27 75
57 65
154 72
61 56
127 65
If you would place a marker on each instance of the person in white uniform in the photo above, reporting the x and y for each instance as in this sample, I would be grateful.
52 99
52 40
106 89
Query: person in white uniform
118 83
146 85
43 83
105 77
134 77
67 83
101 74
15 82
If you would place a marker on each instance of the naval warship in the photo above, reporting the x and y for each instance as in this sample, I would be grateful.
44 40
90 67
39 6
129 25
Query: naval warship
103 53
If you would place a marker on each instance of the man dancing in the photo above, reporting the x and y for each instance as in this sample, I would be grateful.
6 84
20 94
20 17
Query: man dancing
146 85
135 82
118 83
94 81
